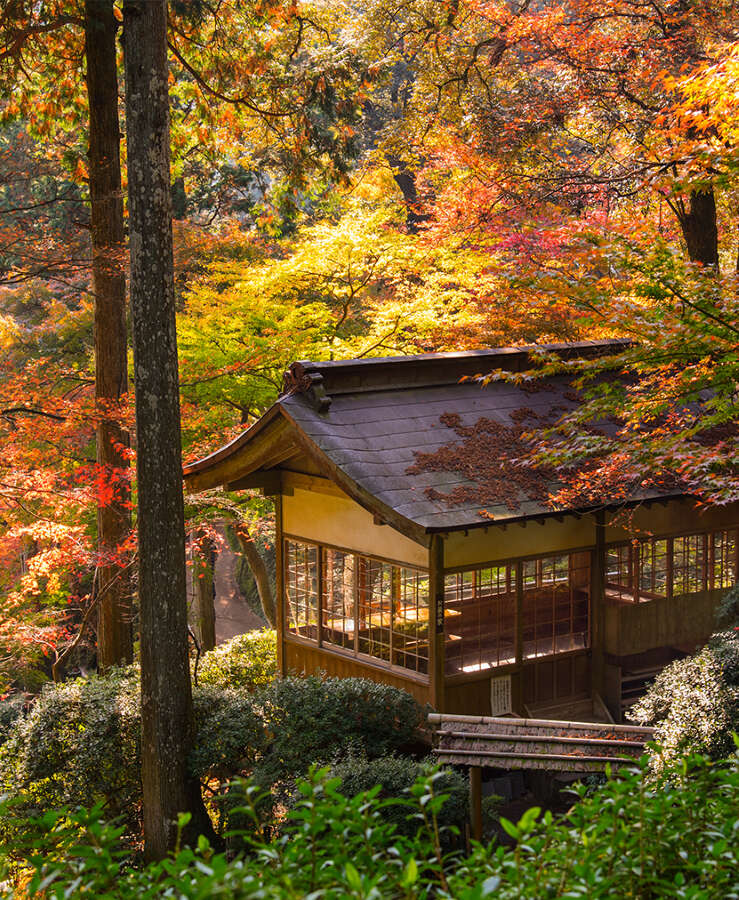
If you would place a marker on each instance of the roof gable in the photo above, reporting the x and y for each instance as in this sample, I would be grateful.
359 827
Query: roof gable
367 424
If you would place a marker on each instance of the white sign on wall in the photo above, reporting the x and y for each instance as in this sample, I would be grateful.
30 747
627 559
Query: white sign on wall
500 696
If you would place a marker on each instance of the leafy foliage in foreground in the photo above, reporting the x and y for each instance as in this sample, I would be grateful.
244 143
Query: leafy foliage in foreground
627 839
395 777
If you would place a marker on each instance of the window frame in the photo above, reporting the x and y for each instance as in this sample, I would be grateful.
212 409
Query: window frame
354 652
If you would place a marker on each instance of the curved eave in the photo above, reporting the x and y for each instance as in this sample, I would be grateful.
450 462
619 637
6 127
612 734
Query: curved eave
275 434
210 463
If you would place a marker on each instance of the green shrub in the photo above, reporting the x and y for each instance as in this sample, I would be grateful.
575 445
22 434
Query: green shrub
229 733
311 719
246 661
629 838
12 708
694 703
395 776
727 613
80 744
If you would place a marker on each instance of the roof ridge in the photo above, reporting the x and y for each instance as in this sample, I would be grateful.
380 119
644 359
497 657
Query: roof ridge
322 379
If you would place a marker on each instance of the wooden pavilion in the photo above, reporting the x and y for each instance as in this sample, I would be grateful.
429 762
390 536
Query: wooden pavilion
399 562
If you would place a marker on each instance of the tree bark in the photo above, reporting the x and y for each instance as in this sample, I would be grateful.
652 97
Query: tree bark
259 571
205 591
114 632
700 228
166 694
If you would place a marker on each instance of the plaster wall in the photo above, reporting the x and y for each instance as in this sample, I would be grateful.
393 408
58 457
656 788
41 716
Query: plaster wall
673 517
335 519
498 543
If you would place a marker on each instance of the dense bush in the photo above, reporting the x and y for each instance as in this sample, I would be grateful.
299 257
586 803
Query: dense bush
246 661
12 708
694 702
311 719
80 742
629 838
395 776
79 745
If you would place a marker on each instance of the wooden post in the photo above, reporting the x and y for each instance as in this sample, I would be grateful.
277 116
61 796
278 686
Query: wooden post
517 685
436 622
476 802
519 612
597 605
280 586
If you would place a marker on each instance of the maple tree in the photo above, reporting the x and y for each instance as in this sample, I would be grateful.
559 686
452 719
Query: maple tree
590 149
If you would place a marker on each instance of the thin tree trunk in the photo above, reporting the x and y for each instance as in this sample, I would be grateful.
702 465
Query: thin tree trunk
700 228
166 694
259 571
205 590
114 632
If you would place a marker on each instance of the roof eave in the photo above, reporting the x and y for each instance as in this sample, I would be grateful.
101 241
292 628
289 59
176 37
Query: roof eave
554 514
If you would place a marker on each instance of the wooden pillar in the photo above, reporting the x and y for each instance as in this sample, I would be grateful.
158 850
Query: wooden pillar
476 802
517 692
597 604
436 622
280 586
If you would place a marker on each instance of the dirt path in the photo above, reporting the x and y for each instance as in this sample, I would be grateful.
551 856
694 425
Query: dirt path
233 614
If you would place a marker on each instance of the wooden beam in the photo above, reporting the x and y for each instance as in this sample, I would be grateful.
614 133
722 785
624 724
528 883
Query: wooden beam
598 605
436 622
280 599
250 457
476 802
316 484
270 482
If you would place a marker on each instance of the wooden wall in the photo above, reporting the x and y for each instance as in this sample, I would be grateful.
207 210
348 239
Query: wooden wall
303 659
536 682
684 621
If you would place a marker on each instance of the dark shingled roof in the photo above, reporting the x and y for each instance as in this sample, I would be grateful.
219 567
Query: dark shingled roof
370 417
373 437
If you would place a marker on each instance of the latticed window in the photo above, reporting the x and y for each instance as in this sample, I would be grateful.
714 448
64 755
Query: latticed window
689 564
339 578
480 619
724 548
301 588
671 567
653 569
368 606
620 572
556 604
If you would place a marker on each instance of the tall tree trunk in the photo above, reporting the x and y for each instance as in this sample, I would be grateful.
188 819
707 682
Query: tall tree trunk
205 590
700 228
259 571
166 694
114 632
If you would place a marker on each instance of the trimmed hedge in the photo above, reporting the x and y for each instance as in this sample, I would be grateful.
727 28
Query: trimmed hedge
246 661
80 742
